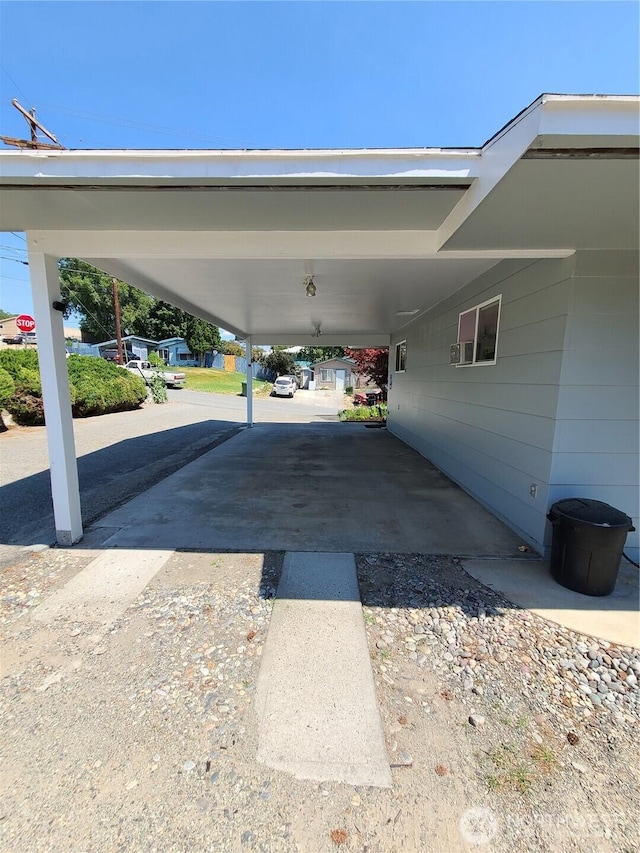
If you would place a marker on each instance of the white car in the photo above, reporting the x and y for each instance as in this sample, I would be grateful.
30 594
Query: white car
284 386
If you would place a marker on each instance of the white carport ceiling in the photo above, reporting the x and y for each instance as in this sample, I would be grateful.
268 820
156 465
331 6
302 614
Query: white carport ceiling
230 235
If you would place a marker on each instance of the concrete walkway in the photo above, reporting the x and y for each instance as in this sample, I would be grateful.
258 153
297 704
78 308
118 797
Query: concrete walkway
529 584
316 701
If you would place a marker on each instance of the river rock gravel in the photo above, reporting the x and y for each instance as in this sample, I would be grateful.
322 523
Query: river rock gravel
141 735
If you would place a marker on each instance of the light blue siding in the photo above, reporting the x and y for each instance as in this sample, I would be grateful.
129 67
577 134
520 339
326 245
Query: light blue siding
558 409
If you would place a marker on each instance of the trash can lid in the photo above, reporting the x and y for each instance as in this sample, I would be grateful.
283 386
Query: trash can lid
591 512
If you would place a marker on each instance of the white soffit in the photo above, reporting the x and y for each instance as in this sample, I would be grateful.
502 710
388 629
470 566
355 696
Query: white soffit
266 298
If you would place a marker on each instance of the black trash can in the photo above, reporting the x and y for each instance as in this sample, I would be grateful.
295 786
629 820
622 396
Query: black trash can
588 538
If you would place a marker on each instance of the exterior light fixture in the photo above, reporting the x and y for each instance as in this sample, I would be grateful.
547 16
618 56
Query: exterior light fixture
316 332
310 288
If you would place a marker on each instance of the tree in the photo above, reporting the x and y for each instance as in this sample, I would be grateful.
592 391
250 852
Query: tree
280 362
373 364
165 321
232 348
202 337
314 354
4 315
88 292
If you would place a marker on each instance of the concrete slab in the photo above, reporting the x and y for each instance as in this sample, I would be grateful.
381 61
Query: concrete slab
104 589
311 487
316 702
529 584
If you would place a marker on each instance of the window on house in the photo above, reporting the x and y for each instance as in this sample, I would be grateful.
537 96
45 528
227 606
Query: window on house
479 327
326 374
185 356
401 357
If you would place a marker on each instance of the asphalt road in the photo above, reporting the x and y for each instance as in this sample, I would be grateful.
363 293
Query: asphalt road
122 454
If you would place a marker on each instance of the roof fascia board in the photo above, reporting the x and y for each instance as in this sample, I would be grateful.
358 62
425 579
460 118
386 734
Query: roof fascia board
200 167
607 118
262 245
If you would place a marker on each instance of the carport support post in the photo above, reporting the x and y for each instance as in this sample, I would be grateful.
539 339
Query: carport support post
65 490
249 383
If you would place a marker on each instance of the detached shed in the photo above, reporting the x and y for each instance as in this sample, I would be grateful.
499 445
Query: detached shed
334 374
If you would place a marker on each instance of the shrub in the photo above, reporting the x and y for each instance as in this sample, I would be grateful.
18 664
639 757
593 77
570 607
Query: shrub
365 413
95 387
101 387
349 390
14 359
155 360
158 388
7 387
25 403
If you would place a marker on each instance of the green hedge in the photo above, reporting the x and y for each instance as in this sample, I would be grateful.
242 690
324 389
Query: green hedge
365 413
96 387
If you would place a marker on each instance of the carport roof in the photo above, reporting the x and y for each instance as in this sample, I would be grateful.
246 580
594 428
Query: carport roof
386 234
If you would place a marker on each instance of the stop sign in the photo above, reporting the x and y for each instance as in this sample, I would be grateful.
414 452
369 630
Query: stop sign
25 323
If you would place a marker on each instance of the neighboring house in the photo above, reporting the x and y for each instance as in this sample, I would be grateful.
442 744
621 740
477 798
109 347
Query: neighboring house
334 374
140 347
176 353
8 328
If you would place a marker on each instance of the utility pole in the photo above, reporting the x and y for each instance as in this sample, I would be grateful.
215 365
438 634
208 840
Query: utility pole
34 127
116 308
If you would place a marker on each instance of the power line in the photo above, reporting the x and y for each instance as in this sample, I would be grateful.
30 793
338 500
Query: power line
19 236
11 278
14 82
136 125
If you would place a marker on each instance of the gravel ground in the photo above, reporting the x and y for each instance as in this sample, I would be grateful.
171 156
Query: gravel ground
142 735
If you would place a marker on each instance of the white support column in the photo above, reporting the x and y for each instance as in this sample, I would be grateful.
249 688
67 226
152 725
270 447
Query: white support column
65 490
249 383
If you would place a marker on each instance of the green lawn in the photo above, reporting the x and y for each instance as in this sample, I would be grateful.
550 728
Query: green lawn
220 381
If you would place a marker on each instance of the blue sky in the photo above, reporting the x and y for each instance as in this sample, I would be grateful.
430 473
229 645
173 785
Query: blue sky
295 74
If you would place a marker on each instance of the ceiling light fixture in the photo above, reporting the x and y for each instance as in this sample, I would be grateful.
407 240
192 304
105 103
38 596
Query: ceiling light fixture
407 312
310 288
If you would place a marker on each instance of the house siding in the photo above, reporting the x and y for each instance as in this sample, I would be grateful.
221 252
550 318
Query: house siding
559 409
596 440
491 428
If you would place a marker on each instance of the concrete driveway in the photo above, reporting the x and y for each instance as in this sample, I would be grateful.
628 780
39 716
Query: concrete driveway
311 487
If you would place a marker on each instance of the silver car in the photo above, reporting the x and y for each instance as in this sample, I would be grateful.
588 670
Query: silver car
284 386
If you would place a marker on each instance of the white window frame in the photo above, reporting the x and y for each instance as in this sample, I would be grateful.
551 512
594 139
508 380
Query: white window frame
327 374
402 369
477 308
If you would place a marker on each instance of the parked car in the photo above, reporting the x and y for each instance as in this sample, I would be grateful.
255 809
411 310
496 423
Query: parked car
112 355
292 377
284 386
172 378
12 339
367 398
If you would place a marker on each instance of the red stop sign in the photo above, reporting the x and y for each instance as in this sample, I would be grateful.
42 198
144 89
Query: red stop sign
25 323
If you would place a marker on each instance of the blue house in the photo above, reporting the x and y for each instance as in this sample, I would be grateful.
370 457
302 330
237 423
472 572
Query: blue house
139 347
175 353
